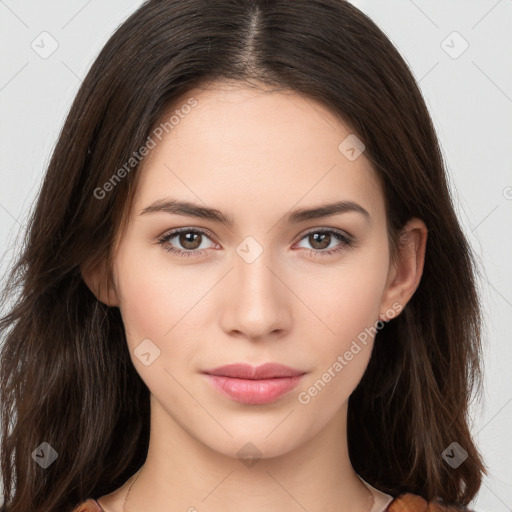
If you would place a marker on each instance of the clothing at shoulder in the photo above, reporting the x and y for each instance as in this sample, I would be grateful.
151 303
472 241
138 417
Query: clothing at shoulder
404 503
413 503
90 505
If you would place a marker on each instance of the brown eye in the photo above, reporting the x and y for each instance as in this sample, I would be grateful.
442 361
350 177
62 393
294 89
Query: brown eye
185 242
189 240
320 240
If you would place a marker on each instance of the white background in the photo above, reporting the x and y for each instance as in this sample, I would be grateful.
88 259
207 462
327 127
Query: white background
469 97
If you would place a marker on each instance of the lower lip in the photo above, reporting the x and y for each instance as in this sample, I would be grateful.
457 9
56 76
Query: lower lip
254 392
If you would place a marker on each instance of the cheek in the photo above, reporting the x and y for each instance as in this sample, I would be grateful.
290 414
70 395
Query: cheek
154 297
347 299
165 304
346 303
145 308
156 304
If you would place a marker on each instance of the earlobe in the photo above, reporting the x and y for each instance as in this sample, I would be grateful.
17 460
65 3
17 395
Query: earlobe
405 272
97 280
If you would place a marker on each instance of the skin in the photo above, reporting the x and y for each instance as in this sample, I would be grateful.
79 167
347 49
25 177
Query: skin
256 156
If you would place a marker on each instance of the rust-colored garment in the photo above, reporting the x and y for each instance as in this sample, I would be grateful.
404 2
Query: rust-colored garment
404 503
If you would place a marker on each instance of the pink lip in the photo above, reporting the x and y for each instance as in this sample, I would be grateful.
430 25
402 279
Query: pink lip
254 385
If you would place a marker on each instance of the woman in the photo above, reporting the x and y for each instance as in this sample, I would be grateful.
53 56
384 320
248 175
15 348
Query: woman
244 284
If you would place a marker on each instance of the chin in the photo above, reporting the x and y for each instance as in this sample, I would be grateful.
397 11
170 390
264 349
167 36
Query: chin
257 439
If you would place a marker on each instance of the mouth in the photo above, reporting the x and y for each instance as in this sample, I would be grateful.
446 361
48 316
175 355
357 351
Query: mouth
254 385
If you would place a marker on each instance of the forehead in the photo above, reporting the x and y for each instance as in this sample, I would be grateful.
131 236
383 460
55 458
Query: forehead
239 147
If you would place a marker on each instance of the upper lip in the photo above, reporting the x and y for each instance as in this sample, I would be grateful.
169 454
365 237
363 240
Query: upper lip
247 371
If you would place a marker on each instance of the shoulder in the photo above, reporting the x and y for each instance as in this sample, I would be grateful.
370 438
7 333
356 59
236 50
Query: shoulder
88 506
414 503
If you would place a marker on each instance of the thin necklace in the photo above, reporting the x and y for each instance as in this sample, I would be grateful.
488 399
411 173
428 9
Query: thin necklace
129 489
140 471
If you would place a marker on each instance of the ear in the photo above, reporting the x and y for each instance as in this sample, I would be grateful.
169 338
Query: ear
99 281
405 273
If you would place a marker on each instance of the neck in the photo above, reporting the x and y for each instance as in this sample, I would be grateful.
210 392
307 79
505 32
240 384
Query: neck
182 473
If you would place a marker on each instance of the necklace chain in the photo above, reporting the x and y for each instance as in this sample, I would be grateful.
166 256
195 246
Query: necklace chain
140 470
129 489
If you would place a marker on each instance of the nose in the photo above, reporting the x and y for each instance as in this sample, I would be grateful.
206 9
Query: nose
257 301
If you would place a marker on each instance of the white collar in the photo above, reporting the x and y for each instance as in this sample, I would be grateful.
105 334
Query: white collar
382 500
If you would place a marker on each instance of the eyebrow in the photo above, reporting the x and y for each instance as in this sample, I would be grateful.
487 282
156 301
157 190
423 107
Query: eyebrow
190 209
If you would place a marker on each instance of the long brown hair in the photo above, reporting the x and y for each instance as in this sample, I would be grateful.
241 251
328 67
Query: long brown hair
66 377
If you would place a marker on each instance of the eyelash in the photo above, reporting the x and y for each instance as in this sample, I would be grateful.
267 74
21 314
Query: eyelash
164 239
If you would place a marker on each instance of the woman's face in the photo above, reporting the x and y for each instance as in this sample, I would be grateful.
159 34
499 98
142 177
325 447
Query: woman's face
277 284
